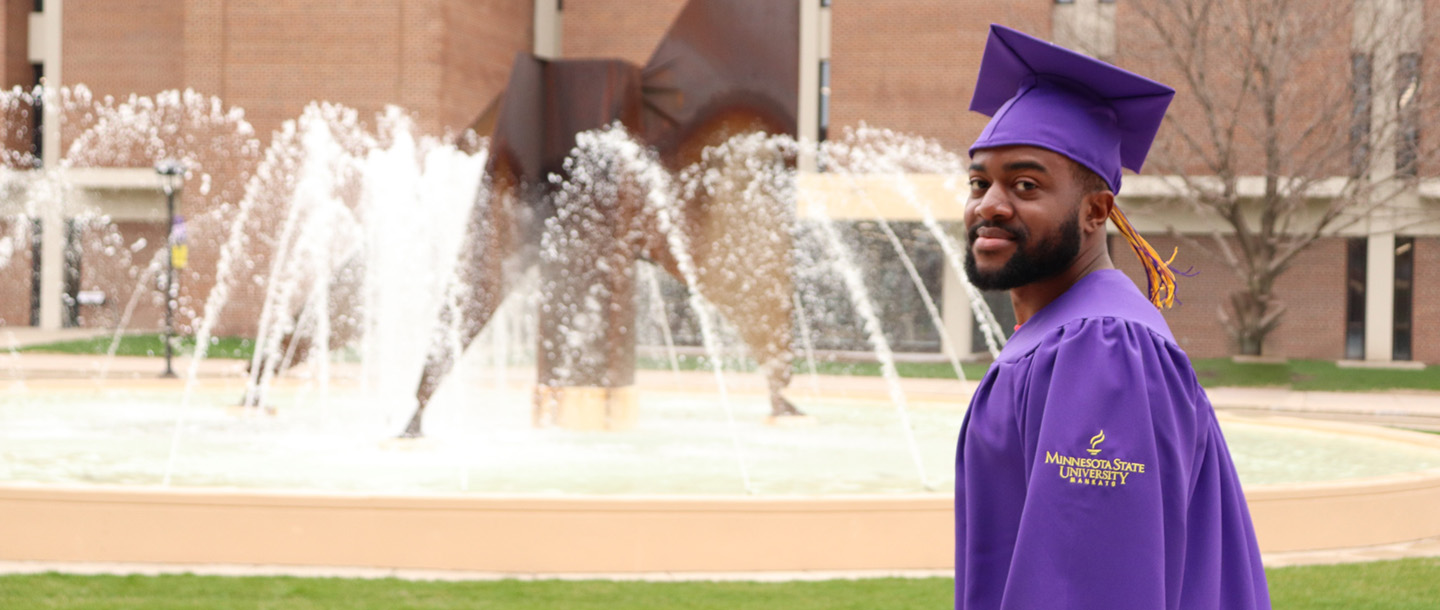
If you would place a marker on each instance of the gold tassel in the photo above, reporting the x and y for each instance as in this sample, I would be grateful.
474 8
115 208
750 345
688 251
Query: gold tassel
1158 276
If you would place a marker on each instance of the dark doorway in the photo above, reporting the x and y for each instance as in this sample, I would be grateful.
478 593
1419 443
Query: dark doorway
1355 260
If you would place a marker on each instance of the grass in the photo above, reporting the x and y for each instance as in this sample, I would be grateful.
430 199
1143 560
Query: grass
219 593
147 345
1315 375
1399 585
1391 585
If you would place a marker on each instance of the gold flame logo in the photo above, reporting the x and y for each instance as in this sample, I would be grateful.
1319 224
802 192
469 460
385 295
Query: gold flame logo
1096 440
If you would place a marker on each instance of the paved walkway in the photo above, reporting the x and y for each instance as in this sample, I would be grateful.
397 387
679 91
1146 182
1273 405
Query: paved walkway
1428 547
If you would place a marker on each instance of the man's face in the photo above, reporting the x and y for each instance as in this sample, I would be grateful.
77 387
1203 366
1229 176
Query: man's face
1023 216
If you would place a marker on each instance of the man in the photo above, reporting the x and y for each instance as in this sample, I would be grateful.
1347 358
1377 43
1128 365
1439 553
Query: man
1090 471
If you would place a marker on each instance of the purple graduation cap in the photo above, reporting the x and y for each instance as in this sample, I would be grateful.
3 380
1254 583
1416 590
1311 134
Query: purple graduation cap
1044 95
1102 117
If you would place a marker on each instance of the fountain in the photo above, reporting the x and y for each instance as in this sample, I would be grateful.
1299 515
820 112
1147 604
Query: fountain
585 219
511 275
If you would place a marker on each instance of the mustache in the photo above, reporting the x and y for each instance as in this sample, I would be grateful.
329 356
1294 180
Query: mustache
1014 229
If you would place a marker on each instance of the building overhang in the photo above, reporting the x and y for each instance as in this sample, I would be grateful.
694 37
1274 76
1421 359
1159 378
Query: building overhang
1153 203
123 194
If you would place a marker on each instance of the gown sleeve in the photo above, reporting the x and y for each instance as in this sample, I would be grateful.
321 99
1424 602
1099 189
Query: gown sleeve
1109 426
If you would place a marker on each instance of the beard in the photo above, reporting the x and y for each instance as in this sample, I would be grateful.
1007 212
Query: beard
1049 258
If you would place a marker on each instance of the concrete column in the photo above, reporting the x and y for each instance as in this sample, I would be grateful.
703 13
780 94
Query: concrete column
807 115
1379 296
548 32
1384 29
955 310
52 219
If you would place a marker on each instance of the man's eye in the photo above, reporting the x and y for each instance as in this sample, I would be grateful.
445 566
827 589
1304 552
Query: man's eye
978 184
1025 185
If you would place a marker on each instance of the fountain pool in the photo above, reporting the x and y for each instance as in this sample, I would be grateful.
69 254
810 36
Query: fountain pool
320 481
337 442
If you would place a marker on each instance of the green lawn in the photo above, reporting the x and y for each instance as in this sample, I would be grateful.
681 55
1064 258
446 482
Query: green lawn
219 593
1314 375
1388 585
147 345
1398 585
1213 372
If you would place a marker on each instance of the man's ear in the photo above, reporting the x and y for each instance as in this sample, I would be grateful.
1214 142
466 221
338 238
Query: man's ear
1095 210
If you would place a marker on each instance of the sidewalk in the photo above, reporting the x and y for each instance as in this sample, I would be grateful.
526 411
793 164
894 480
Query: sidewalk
1401 408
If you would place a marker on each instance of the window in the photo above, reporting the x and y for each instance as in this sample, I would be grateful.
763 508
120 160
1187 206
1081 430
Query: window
1355 260
1404 297
37 121
36 250
1360 69
1407 78
74 252
824 115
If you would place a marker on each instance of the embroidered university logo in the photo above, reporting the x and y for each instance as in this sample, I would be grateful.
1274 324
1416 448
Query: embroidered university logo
1091 470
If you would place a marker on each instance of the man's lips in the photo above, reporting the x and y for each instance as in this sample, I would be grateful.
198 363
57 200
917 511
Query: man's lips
991 238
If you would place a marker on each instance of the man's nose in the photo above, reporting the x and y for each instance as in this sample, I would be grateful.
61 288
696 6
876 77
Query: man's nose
994 205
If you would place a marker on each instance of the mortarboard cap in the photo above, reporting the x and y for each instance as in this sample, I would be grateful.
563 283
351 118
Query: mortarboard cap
1044 95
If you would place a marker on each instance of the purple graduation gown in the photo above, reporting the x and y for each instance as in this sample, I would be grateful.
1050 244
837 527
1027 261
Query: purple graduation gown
1091 472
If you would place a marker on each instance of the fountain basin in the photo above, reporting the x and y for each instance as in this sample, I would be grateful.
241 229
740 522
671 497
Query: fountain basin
474 533
1348 512
611 528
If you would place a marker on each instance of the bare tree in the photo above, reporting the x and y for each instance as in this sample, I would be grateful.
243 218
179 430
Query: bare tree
1294 120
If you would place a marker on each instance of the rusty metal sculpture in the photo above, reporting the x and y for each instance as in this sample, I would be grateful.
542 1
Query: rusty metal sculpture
726 67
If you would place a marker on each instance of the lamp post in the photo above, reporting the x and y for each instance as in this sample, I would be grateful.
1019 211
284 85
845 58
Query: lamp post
172 175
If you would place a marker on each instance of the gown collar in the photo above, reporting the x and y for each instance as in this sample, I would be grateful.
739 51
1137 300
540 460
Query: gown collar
1101 293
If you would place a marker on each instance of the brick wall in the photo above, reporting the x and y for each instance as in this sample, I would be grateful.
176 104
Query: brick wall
1425 320
479 44
15 71
1314 72
1429 95
119 50
15 273
1313 291
623 30
441 60
14 31
910 66
107 260
280 56
903 65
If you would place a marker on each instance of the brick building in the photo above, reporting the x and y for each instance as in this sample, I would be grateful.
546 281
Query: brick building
906 65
